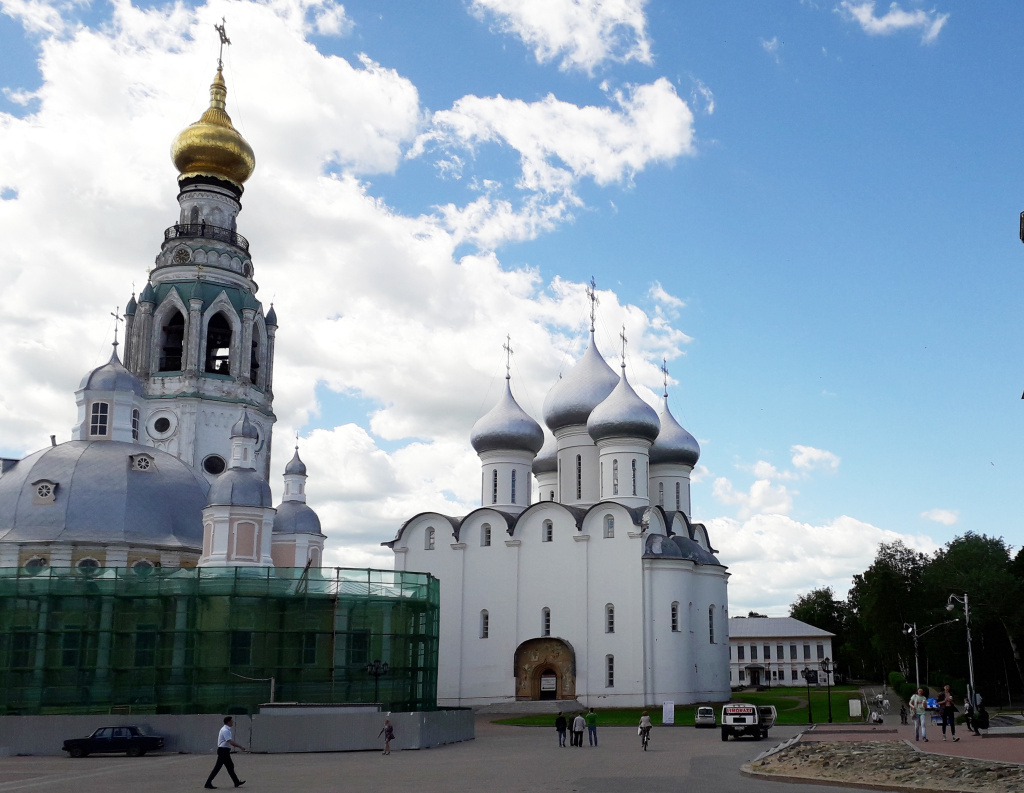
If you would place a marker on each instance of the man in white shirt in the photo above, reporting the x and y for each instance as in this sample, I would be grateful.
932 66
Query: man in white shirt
225 740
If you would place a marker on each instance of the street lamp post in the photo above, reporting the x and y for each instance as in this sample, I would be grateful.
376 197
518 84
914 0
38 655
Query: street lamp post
970 656
910 628
827 667
377 669
807 679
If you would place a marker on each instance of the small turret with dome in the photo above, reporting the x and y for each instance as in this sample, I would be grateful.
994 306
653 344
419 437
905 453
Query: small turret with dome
297 539
506 439
673 457
110 401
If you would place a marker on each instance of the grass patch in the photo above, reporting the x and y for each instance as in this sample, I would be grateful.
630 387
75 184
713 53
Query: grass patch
790 703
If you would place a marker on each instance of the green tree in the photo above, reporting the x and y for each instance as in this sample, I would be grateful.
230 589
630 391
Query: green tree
820 608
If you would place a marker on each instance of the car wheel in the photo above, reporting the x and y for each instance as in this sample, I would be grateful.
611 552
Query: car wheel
725 734
76 751
135 751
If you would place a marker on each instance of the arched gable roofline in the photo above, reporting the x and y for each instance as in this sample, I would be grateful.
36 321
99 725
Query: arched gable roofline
656 515
636 514
578 514
509 519
679 524
701 537
452 522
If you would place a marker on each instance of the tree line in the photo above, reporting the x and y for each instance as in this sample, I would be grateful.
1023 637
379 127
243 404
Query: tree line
904 587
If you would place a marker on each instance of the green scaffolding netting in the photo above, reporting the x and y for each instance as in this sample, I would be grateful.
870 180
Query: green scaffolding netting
209 640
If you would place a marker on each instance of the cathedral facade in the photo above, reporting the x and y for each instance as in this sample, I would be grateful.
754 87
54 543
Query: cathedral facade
170 456
600 589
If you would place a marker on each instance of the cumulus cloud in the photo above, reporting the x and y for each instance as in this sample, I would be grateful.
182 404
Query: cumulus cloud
807 458
929 23
701 94
375 306
763 498
583 33
774 558
771 46
947 517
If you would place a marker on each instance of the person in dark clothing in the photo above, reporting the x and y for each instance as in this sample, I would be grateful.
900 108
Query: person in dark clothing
969 715
560 726
947 710
981 720
225 740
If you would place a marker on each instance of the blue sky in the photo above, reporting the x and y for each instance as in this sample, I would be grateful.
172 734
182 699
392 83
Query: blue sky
810 207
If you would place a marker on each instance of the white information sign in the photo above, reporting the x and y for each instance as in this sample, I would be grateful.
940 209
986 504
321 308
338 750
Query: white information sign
855 709
668 712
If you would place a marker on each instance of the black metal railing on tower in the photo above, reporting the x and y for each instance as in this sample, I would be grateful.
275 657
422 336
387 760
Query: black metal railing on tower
209 232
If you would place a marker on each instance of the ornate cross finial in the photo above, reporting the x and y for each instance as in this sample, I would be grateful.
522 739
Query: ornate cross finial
223 40
592 296
664 372
624 340
507 347
296 441
117 318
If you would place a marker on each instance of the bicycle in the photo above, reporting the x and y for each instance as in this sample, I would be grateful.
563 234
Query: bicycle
645 737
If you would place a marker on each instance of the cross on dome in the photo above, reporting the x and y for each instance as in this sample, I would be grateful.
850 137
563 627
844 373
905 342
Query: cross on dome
664 372
117 318
592 296
624 340
507 347
223 40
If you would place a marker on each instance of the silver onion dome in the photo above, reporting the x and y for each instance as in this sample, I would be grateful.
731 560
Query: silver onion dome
295 517
244 428
295 465
546 461
674 444
112 376
623 415
240 487
584 387
506 427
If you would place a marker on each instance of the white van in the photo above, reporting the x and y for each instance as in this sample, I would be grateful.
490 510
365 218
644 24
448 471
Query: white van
740 718
704 716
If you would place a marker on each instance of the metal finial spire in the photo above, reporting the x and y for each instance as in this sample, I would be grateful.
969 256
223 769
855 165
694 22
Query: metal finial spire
592 295
117 318
223 40
624 340
507 347
664 372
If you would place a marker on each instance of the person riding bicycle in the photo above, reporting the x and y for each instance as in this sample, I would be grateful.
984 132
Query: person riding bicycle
645 727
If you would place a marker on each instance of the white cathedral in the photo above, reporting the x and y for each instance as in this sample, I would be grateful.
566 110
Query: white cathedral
169 458
601 589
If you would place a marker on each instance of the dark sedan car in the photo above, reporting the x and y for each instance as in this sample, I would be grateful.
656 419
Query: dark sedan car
114 740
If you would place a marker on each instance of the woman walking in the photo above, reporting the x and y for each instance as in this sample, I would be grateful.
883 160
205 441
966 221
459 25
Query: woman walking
389 735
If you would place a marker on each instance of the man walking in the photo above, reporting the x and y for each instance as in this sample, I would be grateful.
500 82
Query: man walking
919 706
578 724
225 740
591 728
947 710
560 727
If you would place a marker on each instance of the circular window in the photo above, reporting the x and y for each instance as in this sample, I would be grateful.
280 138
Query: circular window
214 464
88 566
162 424
35 563
143 567
143 463
44 491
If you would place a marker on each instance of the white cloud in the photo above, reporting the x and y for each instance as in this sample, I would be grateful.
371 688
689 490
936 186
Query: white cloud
701 93
947 517
372 303
807 458
658 294
930 23
558 144
771 46
774 558
583 33
763 498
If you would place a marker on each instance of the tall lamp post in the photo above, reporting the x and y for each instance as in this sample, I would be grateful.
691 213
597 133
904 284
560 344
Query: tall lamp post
827 667
970 656
807 673
377 669
910 628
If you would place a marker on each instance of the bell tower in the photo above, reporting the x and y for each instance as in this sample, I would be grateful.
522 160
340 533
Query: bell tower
197 337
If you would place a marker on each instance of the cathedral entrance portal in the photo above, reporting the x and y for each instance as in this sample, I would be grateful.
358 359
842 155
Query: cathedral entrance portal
545 669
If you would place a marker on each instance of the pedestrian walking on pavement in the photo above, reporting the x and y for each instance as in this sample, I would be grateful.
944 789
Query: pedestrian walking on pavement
903 715
389 735
947 710
591 727
919 707
969 716
560 726
225 740
578 725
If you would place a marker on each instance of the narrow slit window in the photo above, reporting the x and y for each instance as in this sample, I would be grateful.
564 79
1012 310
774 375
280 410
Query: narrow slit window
615 477
545 622
609 526
549 531
661 494
513 485
579 476
485 535
494 486
675 617
711 624
485 624
634 476
609 671
428 539
609 618
679 501
135 424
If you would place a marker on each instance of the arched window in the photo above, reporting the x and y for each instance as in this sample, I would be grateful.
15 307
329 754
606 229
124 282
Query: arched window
609 618
193 217
172 341
494 486
609 526
615 477
513 485
609 671
711 623
661 494
428 539
675 617
579 476
485 624
552 496
88 565
545 621
218 345
143 567
314 557
485 534
254 357
679 501
601 479
548 531
634 476
135 424
99 415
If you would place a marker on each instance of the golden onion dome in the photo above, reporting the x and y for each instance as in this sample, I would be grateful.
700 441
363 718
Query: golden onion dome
212 146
